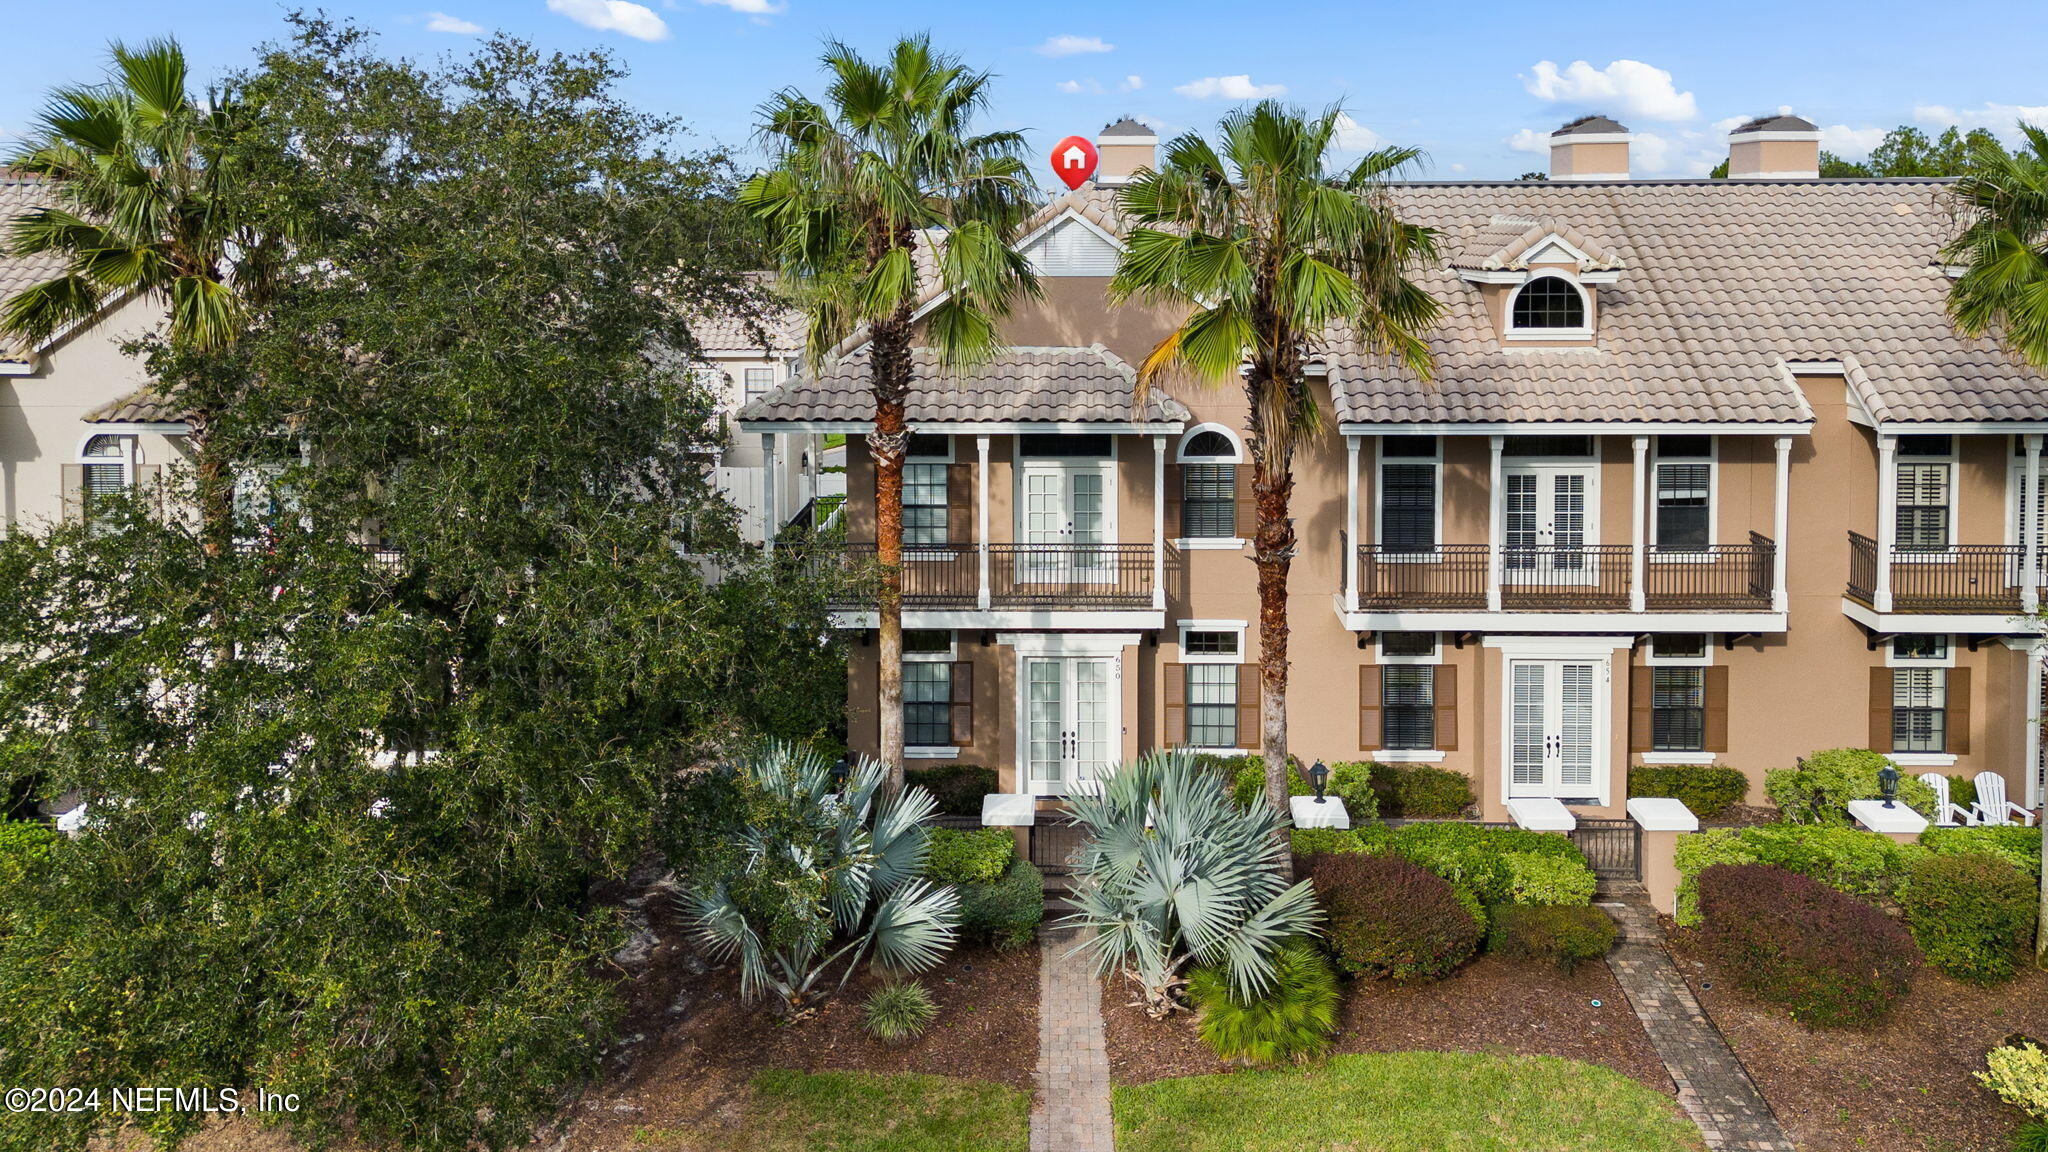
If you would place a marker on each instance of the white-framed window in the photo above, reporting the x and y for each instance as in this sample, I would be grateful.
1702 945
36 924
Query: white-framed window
1408 647
1678 664
109 464
1682 495
1212 650
1924 514
758 382
928 688
1408 707
1680 650
1920 650
1209 456
1549 305
925 495
1410 492
1919 710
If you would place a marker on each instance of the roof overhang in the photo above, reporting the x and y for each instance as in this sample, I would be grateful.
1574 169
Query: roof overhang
983 428
1581 427
133 428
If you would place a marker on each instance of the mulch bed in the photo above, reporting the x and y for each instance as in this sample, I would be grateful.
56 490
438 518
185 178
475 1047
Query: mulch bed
1904 1084
1489 1006
1742 816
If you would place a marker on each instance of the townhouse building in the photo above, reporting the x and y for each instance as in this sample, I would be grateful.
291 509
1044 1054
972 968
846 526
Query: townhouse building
1705 476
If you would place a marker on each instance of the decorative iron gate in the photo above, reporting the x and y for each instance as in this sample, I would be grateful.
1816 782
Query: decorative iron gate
1052 842
1612 847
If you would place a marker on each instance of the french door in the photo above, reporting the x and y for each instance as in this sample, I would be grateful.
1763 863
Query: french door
1067 515
1549 519
1071 722
1556 727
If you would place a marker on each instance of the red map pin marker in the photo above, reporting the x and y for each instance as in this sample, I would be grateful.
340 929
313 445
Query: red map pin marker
1073 160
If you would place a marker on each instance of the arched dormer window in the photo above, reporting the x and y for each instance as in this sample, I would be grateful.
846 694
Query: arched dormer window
1208 457
1551 305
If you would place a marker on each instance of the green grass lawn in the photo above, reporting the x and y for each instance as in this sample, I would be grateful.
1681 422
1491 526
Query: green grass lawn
1404 1102
867 1112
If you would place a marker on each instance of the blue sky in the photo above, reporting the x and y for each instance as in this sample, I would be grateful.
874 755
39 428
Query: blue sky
1475 85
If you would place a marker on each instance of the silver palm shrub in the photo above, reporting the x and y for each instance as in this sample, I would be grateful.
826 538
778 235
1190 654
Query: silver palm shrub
1172 873
805 874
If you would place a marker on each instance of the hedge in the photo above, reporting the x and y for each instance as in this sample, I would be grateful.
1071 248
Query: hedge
2015 844
1495 865
1566 937
1820 788
1350 781
1847 859
1006 912
970 856
1787 938
1383 916
1971 913
1420 791
1708 790
957 787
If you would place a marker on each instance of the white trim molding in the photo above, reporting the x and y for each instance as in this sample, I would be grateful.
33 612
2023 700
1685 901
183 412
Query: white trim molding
1588 428
1068 643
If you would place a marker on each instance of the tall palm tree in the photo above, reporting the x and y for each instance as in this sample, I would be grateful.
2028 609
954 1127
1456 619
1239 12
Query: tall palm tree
142 201
887 163
1276 254
2003 197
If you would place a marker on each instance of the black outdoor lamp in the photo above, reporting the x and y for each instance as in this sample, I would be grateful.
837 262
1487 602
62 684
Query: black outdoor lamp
1317 777
1888 784
840 769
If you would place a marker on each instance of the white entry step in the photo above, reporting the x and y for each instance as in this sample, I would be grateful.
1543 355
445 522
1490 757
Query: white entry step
1542 814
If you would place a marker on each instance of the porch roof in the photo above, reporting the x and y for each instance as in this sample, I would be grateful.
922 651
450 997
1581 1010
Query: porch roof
1024 385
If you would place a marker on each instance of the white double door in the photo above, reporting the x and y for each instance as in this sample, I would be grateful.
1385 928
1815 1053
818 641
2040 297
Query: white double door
1067 514
1549 517
1071 721
1556 727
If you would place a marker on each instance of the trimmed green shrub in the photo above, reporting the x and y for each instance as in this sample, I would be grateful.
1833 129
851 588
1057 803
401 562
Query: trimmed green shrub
1972 914
1848 859
1474 858
1309 841
1828 957
1707 789
970 855
957 787
23 845
1818 790
2015 844
1005 913
1350 781
899 1012
1534 878
1386 917
1292 1020
1962 791
1420 791
1565 936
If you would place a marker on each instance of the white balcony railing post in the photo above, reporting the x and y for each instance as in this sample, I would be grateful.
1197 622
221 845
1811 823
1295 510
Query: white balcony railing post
1495 528
1351 541
1887 518
1639 536
1781 531
982 598
2030 530
1159 523
768 509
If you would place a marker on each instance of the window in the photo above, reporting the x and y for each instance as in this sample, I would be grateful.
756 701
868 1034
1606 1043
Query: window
1920 710
1408 701
1208 470
924 505
759 382
1408 644
1408 494
1926 471
1548 302
1212 705
106 460
927 688
1678 709
1202 642
1570 447
1678 647
1920 648
1684 493
928 642
1056 446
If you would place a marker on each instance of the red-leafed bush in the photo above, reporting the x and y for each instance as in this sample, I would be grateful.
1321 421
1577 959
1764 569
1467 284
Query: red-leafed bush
1829 957
1387 917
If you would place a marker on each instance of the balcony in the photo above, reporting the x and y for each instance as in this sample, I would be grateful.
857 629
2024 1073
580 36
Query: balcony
1020 577
1961 580
1556 579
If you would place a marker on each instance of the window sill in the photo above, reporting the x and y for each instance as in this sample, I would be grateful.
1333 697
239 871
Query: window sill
1209 543
1217 751
930 753
1408 756
1923 759
1680 758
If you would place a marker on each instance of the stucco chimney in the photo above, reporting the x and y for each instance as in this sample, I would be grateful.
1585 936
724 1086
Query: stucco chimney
1590 148
1125 147
1777 147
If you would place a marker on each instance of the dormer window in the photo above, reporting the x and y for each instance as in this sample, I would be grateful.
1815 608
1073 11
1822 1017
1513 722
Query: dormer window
1550 306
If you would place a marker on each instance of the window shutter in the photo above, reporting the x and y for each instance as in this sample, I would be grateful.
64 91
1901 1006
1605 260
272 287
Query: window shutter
960 503
146 484
1371 716
1714 692
1176 487
1247 508
1176 706
1248 734
1444 686
1881 709
1959 711
74 491
963 703
1641 688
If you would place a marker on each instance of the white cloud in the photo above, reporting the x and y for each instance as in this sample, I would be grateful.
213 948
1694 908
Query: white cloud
1530 140
1067 45
1076 87
1728 124
1131 84
1999 118
1457 167
755 8
1626 87
1848 142
1158 126
1355 137
1229 88
443 22
635 20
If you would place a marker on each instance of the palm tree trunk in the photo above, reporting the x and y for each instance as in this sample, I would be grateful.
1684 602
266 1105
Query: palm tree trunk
889 366
1273 555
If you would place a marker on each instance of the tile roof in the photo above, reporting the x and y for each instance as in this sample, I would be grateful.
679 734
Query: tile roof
1505 240
1127 127
1776 122
20 193
145 405
1593 125
727 333
1038 385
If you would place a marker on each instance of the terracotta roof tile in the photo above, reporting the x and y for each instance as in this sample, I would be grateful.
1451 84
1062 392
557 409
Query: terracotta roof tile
1040 385
20 193
145 405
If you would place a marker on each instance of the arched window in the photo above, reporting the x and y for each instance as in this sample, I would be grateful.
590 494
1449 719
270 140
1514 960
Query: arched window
1208 460
1548 302
106 465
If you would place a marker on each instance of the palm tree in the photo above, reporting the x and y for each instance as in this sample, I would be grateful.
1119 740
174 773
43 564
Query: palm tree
2004 286
1275 255
142 202
886 164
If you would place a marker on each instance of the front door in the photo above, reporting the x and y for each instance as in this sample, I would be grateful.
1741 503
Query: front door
1070 707
1556 727
1066 519
1548 521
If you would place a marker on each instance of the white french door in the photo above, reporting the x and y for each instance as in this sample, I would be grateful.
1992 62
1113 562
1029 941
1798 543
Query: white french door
1556 727
1071 722
1550 515
1067 513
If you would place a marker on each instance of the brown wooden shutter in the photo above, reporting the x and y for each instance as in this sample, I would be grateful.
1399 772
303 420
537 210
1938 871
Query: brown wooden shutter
1714 690
963 703
74 491
1176 486
1248 735
1959 711
147 484
1444 691
1371 713
1881 709
1247 507
1176 733
960 503
1641 693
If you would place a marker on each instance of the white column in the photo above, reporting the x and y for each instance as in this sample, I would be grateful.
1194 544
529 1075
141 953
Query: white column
1351 523
1159 523
981 596
2030 722
1639 536
1781 526
768 490
2030 533
1887 518
1496 528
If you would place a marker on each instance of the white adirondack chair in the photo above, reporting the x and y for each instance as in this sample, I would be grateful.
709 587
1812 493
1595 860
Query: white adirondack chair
1946 814
1992 807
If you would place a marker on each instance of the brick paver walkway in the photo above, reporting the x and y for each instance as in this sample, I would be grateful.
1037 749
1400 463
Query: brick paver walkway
1071 1112
1713 1087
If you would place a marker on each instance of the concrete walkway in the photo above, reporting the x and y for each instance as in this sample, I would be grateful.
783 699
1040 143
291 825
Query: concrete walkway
1071 1111
1713 1087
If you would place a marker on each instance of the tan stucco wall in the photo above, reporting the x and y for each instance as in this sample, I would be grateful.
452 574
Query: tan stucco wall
1588 159
1755 157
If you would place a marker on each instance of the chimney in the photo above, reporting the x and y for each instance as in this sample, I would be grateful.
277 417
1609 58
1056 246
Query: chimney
1124 147
1780 147
1590 148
